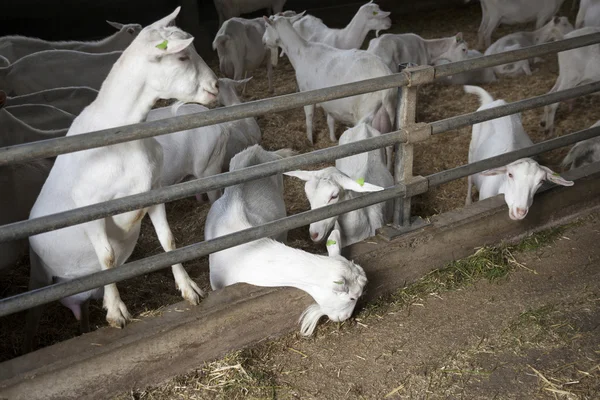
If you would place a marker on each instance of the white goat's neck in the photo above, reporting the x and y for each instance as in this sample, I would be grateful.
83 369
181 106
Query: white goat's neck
355 32
271 263
291 42
437 47
124 97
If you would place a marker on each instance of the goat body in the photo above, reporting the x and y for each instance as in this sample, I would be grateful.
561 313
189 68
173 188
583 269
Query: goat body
396 49
55 69
496 12
588 14
16 47
576 67
584 152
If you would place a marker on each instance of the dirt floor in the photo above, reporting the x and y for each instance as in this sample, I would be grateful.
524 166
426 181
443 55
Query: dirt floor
147 294
512 322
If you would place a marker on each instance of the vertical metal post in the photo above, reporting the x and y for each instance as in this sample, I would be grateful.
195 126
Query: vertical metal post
403 163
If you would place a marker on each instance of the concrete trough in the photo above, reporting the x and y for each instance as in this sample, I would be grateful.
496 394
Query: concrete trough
110 361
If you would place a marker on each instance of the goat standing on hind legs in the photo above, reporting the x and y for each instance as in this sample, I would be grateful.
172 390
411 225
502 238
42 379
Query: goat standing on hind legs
159 63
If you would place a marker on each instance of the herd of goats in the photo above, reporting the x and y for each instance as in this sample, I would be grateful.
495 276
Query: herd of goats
52 89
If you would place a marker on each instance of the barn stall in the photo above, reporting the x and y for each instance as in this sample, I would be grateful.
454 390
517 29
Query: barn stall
148 295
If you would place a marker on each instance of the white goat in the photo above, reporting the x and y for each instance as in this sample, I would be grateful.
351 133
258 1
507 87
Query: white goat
518 180
241 50
334 282
42 116
407 47
496 12
56 68
17 47
476 77
576 67
70 99
227 9
343 182
588 14
318 65
160 63
242 133
369 17
197 152
584 152
553 30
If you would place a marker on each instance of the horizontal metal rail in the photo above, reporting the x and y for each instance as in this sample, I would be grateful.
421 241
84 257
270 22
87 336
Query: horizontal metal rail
165 194
54 147
57 291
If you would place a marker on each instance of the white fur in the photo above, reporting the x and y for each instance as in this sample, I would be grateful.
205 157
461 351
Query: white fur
242 133
334 282
240 48
576 67
396 49
331 185
227 9
588 14
496 12
318 65
584 152
142 75
476 77
69 99
56 68
518 181
369 17
17 47
555 29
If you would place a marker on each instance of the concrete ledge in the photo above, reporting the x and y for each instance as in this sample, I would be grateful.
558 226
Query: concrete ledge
109 361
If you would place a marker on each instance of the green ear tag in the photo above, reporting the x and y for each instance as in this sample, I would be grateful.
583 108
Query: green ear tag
331 242
163 45
360 181
555 174
339 282
375 13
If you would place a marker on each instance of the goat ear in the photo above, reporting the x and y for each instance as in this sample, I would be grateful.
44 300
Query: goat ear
555 178
358 185
297 17
494 171
304 175
115 25
174 45
166 21
334 243
459 37
241 82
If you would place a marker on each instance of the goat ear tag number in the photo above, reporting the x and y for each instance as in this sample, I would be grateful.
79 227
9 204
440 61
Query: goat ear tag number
163 45
361 181
331 242
338 282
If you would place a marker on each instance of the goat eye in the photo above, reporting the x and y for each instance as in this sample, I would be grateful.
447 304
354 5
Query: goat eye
130 31
333 197
184 58
353 298
510 175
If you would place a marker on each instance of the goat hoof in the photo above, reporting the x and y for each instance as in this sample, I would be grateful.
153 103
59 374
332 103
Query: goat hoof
191 292
118 316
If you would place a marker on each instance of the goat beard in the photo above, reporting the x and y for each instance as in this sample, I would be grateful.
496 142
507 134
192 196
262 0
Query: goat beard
309 319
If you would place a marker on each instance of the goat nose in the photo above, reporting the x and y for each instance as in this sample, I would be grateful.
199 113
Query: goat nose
521 212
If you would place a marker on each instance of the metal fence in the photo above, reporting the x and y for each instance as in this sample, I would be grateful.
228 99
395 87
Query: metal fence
406 185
